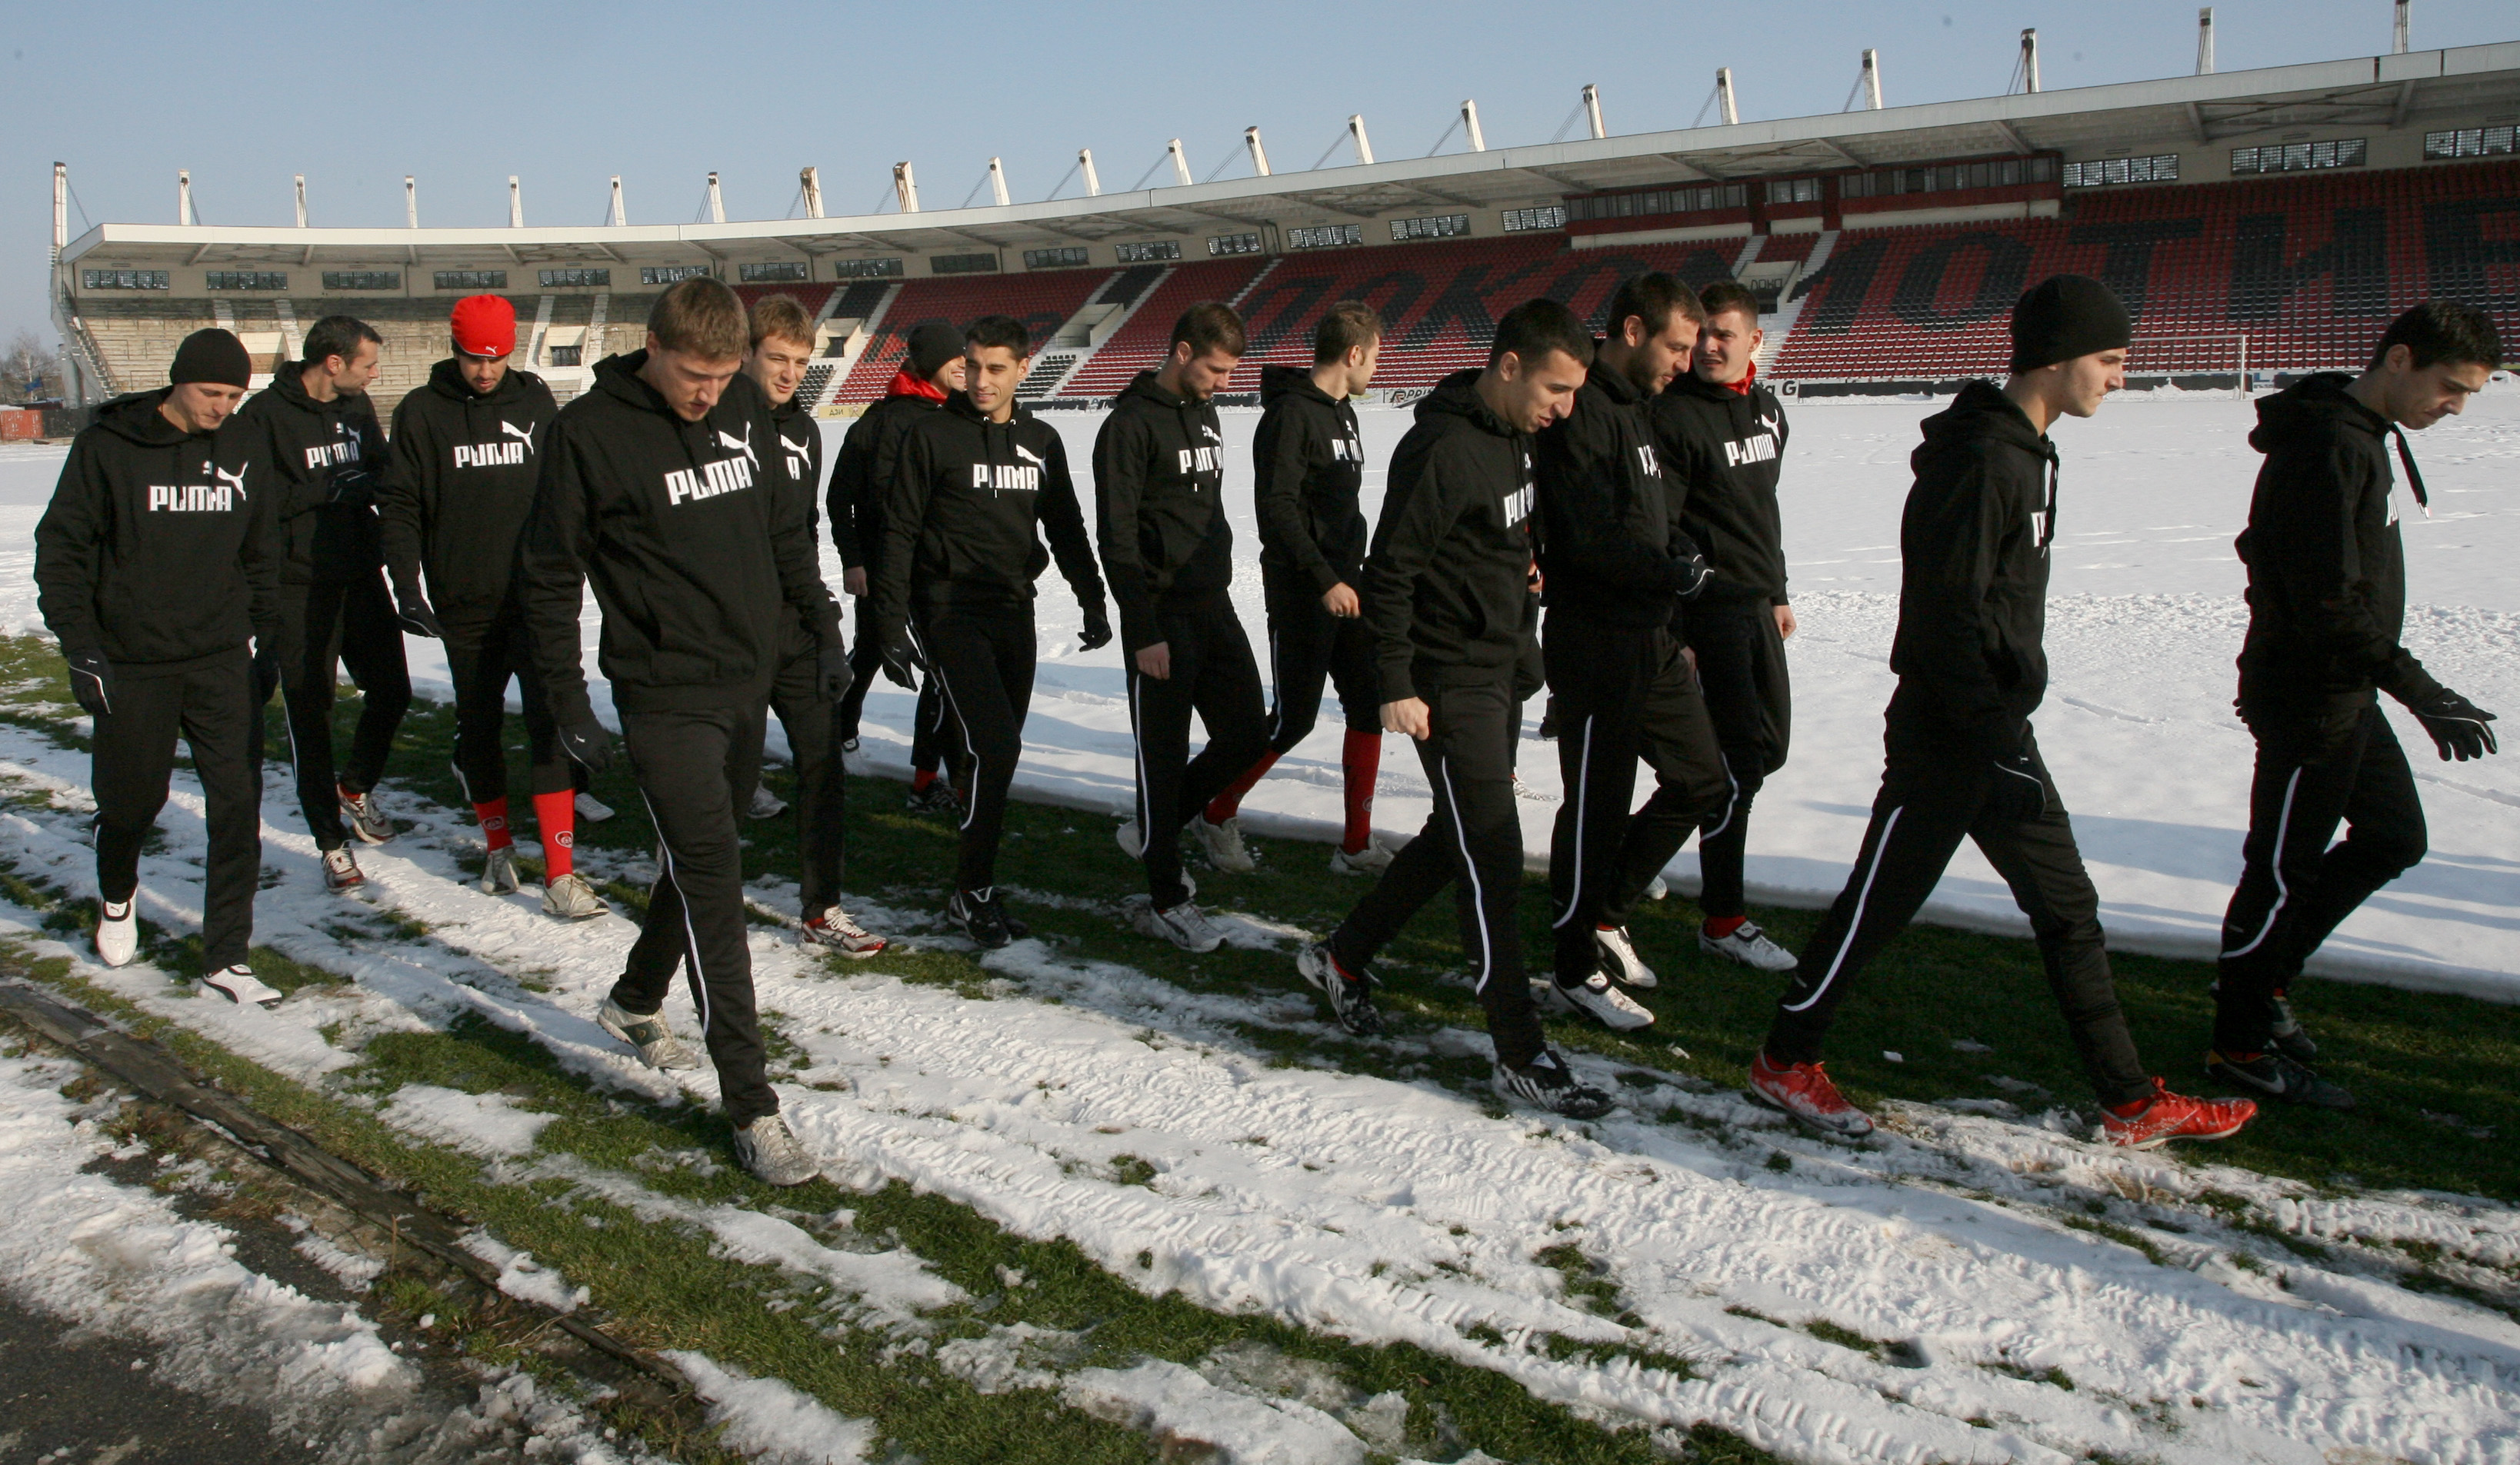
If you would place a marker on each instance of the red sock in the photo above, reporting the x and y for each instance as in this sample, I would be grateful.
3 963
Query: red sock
1228 803
555 816
1720 926
493 815
921 777
1361 760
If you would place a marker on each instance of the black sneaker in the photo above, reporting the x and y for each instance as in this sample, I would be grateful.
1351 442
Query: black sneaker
1351 995
984 917
2290 1037
2278 1077
938 797
1547 1082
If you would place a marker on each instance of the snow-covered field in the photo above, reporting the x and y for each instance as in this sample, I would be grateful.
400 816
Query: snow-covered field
2145 621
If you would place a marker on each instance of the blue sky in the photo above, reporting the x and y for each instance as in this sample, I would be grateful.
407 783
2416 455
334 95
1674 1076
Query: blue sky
462 95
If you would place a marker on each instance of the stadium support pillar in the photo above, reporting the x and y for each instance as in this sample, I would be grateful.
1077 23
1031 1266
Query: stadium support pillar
2205 41
1871 81
1259 154
2030 60
1470 126
61 209
1726 105
998 181
517 201
410 201
1181 164
301 200
184 196
809 182
1355 130
620 217
1592 110
1093 183
905 187
716 201
2398 36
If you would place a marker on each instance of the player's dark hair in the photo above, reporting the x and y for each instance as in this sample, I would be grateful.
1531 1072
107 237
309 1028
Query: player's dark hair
1349 323
1729 294
700 316
2437 330
1534 327
1650 298
1209 326
782 316
999 331
337 335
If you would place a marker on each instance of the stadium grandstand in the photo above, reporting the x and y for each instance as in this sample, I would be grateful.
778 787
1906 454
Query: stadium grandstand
2257 222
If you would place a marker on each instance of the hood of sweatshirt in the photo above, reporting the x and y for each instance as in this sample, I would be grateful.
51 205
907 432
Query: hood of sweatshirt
1980 413
1284 381
1458 396
2313 404
135 418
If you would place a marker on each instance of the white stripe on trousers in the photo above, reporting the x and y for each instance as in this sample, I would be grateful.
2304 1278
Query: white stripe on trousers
2274 866
1861 898
1583 810
682 898
1470 868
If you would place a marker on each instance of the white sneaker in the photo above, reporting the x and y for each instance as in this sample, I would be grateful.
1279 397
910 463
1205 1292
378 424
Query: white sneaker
1132 843
1522 790
1184 925
1373 860
834 930
1658 890
592 810
1749 946
368 823
499 872
239 984
1619 957
118 933
1599 999
657 1044
769 1150
1222 844
765 804
570 898
341 869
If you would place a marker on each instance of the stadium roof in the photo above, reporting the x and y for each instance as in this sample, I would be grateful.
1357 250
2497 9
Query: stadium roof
2383 91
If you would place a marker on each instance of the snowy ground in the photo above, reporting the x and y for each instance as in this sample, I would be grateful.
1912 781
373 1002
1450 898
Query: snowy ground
2145 621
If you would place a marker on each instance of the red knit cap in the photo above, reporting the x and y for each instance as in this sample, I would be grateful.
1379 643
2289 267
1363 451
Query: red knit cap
485 326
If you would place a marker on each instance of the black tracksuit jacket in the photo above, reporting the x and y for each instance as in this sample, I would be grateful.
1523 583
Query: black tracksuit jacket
153 554
1607 524
1447 582
1973 569
698 553
1159 507
301 449
862 469
800 451
1723 451
2328 573
963 519
459 488
1310 461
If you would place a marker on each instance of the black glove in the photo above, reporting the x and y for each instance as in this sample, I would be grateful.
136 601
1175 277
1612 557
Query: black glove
2457 725
418 618
900 658
1097 628
91 682
833 665
586 741
1688 575
353 486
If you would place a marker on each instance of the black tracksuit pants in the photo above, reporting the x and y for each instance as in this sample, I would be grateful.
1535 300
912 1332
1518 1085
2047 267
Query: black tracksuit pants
697 770
809 718
1213 678
1623 692
2313 774
132 757
1935 790
1473 841
1309 647
1741 669
865 664
481 661
346 623
983 657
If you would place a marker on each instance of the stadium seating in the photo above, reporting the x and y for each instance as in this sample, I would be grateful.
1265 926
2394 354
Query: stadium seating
1043 301
1140 342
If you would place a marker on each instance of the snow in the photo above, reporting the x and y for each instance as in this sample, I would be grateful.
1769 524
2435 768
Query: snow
2144 622
482 1124
1174 1402
769 1421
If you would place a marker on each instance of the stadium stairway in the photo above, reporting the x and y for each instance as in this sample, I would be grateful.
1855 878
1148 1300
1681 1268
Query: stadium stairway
1043 301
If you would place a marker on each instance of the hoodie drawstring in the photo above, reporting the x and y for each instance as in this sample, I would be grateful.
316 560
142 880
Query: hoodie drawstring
2415 476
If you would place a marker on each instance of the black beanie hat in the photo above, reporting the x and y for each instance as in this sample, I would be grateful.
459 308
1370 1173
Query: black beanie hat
2066 316
212 355
932 345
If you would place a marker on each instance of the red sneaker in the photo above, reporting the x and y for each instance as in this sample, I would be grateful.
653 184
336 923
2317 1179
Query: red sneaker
2168 1116
1803 1090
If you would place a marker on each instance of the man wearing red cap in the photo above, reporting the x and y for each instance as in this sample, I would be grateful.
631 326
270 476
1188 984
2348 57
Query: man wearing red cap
466 448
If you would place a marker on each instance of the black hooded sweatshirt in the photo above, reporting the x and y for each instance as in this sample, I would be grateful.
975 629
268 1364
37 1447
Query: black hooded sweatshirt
698 551
1159 507
969 504
458 490
154 552
300 448
2327 572
1310 462
1606 518
862 469
1447 583
1973 567
1723 450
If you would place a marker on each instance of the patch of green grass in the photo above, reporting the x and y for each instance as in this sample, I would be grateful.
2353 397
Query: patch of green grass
2121 1235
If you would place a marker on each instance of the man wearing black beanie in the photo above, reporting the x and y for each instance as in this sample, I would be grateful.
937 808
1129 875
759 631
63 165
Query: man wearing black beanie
155 566
1973 546
861 475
